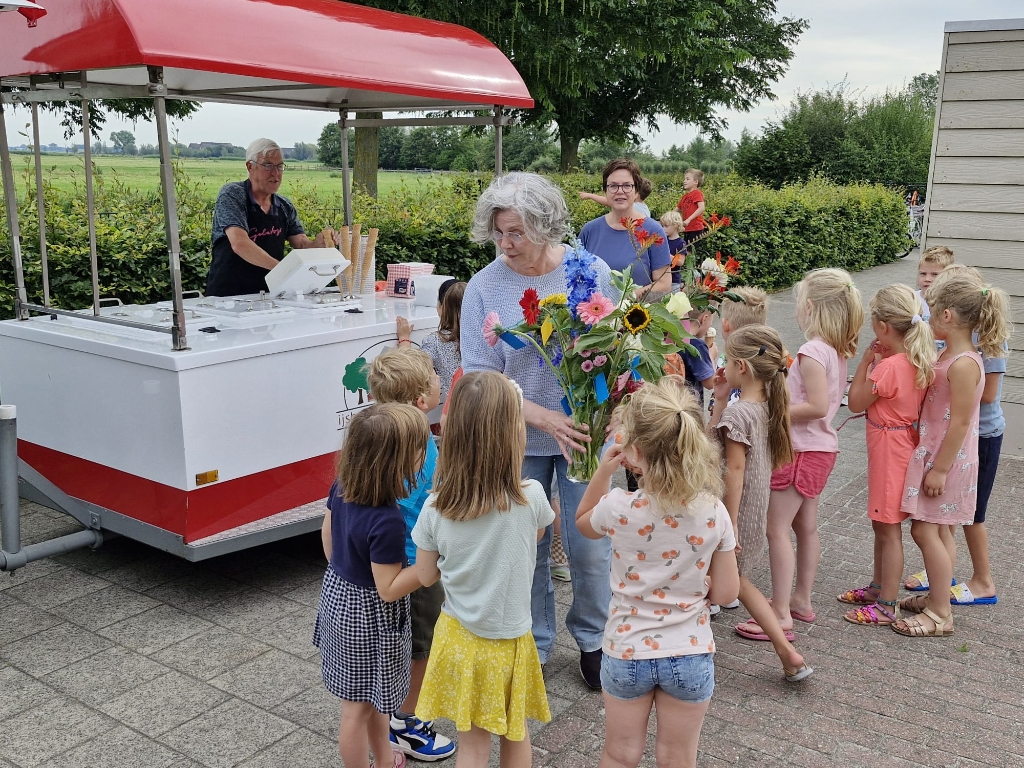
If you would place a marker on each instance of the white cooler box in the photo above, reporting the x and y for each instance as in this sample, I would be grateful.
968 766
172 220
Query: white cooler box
305 271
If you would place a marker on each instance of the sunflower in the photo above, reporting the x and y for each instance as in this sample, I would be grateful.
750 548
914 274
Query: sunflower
636 319
554 300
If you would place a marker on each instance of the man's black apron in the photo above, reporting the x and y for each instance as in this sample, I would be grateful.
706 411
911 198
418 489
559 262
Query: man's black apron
230 274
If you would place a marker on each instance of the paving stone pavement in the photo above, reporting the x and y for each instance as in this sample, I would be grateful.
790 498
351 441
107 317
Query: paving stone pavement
129 657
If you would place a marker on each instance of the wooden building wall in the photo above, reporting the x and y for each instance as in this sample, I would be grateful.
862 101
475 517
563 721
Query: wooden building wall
975 201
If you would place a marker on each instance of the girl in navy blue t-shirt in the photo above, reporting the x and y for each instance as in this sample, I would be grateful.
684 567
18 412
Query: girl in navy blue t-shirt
363 627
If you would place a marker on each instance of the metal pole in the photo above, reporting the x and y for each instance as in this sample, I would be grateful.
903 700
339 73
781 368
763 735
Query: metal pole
178 338
497 139
90 206
10 513
346 188
11 204
40 204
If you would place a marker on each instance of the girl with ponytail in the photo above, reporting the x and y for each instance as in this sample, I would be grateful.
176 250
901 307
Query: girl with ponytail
889 385
755 433
941 486
669 539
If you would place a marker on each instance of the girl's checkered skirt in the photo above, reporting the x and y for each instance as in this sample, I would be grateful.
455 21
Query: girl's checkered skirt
365 644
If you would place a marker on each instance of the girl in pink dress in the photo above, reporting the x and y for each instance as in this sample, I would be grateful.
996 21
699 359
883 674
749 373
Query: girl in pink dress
890 385
942 478
830 313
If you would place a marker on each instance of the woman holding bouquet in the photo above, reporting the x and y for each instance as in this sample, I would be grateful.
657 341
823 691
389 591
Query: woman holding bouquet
607 237
526 216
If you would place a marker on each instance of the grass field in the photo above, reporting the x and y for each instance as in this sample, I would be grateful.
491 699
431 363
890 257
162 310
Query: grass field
143 172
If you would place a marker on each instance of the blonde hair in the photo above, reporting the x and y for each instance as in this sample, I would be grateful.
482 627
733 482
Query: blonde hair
665 423
836 311
671 219
761 348
939 255
698 175
451 313
480 464
975 304
752 310
400 375
900 308
383 452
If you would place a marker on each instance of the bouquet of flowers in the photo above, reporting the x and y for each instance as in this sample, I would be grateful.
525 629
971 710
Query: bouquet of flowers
600 348
705 283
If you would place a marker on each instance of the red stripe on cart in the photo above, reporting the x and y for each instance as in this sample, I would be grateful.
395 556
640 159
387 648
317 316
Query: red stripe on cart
192 514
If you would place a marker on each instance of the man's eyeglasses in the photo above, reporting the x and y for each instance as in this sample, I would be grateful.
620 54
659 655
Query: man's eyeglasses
268 167
498 236
620 187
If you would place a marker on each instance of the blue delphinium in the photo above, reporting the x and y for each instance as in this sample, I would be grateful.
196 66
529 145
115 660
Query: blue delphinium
580 276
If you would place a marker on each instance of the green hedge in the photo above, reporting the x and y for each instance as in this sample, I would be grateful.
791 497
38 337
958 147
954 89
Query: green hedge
777 235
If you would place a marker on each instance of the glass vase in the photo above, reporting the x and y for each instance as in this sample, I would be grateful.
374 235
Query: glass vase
584 463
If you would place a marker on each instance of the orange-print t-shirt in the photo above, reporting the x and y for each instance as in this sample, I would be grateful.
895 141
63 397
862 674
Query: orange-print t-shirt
660 558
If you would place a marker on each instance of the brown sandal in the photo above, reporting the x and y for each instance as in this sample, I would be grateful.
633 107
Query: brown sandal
914 627
914 603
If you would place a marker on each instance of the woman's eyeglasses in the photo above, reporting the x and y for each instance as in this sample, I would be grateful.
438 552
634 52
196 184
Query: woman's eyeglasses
620 187
497 236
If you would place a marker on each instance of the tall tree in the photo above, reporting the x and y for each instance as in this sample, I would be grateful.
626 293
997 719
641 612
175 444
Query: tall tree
124 142
601 68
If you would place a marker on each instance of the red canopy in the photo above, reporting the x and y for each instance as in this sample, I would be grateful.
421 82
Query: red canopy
318 54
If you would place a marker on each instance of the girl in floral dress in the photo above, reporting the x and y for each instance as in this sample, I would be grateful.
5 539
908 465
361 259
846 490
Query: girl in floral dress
754 431
889 385
667 539
942 479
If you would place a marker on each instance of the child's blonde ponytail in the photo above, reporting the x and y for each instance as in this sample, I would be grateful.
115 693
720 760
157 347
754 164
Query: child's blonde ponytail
993 324
900 308
761 348
976 304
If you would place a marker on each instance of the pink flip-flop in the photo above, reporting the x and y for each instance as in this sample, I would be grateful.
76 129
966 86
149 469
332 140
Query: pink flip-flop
744 630
806 618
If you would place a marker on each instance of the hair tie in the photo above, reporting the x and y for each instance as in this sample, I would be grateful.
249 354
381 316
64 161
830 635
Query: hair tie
783 370
851 286
916 319
762 350
984 291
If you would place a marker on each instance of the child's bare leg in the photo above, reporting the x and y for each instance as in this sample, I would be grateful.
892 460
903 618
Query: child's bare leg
363 730
981 583
808 553
876 568
948 535
679 724
516 754
782 509
928 537
419 669
763 615
474 748
889 567
626 731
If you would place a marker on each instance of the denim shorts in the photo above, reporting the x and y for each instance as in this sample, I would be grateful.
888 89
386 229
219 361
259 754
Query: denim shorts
687 678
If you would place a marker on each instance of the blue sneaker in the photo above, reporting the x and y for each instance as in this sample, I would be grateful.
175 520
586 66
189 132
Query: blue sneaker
419 740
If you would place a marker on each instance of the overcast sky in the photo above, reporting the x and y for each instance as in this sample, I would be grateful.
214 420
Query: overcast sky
874 44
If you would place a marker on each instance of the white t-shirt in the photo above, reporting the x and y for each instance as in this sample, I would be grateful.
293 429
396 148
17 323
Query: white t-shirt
659 561
487 564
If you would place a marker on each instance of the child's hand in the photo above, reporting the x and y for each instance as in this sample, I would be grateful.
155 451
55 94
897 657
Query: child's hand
613 458
934 483
404 328
721 387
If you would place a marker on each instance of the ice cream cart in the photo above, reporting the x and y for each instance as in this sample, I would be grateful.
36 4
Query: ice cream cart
205 425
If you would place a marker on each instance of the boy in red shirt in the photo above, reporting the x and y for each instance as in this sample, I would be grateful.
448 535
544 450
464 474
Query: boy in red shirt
691 205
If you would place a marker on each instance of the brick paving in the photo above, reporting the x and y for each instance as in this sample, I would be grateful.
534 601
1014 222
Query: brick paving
129 657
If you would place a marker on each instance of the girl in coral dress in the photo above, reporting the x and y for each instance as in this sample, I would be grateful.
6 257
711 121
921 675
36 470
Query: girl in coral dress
890 385
942 479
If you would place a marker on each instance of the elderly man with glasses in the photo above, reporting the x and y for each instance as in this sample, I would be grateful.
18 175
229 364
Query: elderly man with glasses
251 223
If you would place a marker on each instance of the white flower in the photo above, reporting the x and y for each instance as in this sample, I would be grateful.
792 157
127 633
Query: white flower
679 305
711 267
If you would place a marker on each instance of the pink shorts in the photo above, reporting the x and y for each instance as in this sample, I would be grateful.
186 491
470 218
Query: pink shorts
808 473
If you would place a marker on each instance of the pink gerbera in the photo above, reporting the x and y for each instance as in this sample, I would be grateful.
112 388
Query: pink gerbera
491 322
595 309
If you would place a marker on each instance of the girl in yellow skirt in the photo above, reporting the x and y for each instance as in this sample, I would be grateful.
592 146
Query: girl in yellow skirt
478 533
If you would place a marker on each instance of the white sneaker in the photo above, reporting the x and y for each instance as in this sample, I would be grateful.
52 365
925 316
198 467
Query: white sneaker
715 609
733 604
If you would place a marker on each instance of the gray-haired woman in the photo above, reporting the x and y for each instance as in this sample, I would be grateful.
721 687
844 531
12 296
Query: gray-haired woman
526 216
